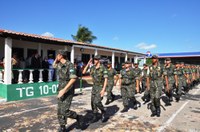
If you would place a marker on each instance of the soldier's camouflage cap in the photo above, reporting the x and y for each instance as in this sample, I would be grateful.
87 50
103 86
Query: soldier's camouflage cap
97 57
154 57
167 59
62 52
128 62
136 63
123 64
144 64
182 63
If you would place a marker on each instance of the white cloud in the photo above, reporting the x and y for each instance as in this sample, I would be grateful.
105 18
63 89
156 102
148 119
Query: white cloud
115 38
48 34
146 46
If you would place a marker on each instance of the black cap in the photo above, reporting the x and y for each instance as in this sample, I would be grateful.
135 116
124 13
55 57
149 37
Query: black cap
97 57
154 57
167 59
62 52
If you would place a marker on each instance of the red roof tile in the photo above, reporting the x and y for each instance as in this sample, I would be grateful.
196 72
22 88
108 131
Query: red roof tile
62 40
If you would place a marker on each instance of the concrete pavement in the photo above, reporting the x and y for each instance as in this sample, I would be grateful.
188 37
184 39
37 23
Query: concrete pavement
40 115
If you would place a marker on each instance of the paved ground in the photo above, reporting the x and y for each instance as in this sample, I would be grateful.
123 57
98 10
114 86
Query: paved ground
40 115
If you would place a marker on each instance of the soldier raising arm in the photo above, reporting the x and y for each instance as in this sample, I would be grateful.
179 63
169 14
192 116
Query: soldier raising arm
67 78
99 76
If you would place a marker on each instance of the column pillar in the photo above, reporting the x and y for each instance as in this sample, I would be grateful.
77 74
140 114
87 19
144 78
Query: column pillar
96 52
113 59
135 59
7 61
72 54
126 57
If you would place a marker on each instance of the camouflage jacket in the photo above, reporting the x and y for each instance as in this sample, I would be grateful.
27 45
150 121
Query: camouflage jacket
98 75
144 73
65 72
111 74
138 72
127 76
170 72
155 72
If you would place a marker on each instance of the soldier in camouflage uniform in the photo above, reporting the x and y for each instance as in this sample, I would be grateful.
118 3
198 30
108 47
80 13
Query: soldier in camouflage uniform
67 78
179 78
100 78
127 86
184 76
155 84
198 74
138 72
145 72
111 83
169 76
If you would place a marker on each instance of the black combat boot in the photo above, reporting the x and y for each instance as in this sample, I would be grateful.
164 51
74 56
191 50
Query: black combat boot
62 128
178 97
95 118
158 111
153 113
143 98
103 116
113 97
168 103
79 122
134 103
125 109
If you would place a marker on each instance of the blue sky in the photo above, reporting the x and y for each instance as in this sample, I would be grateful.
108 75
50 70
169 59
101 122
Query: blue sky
158 26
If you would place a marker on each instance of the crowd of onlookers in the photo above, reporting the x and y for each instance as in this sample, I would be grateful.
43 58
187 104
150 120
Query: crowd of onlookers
34 62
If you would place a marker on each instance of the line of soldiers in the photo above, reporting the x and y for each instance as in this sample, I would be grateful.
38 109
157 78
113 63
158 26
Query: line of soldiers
154 79
169 79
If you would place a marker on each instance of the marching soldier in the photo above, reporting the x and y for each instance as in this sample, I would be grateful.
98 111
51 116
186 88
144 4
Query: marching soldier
67 78
138 72
111 83
155 84
127 77
99 76
179 78
145 72
169 77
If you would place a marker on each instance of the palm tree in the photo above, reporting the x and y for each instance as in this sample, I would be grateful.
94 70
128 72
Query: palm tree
83 35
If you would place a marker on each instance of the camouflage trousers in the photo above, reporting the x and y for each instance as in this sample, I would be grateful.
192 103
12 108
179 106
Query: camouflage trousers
63 109
96 99
109 89
181 83
155 93
127 93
